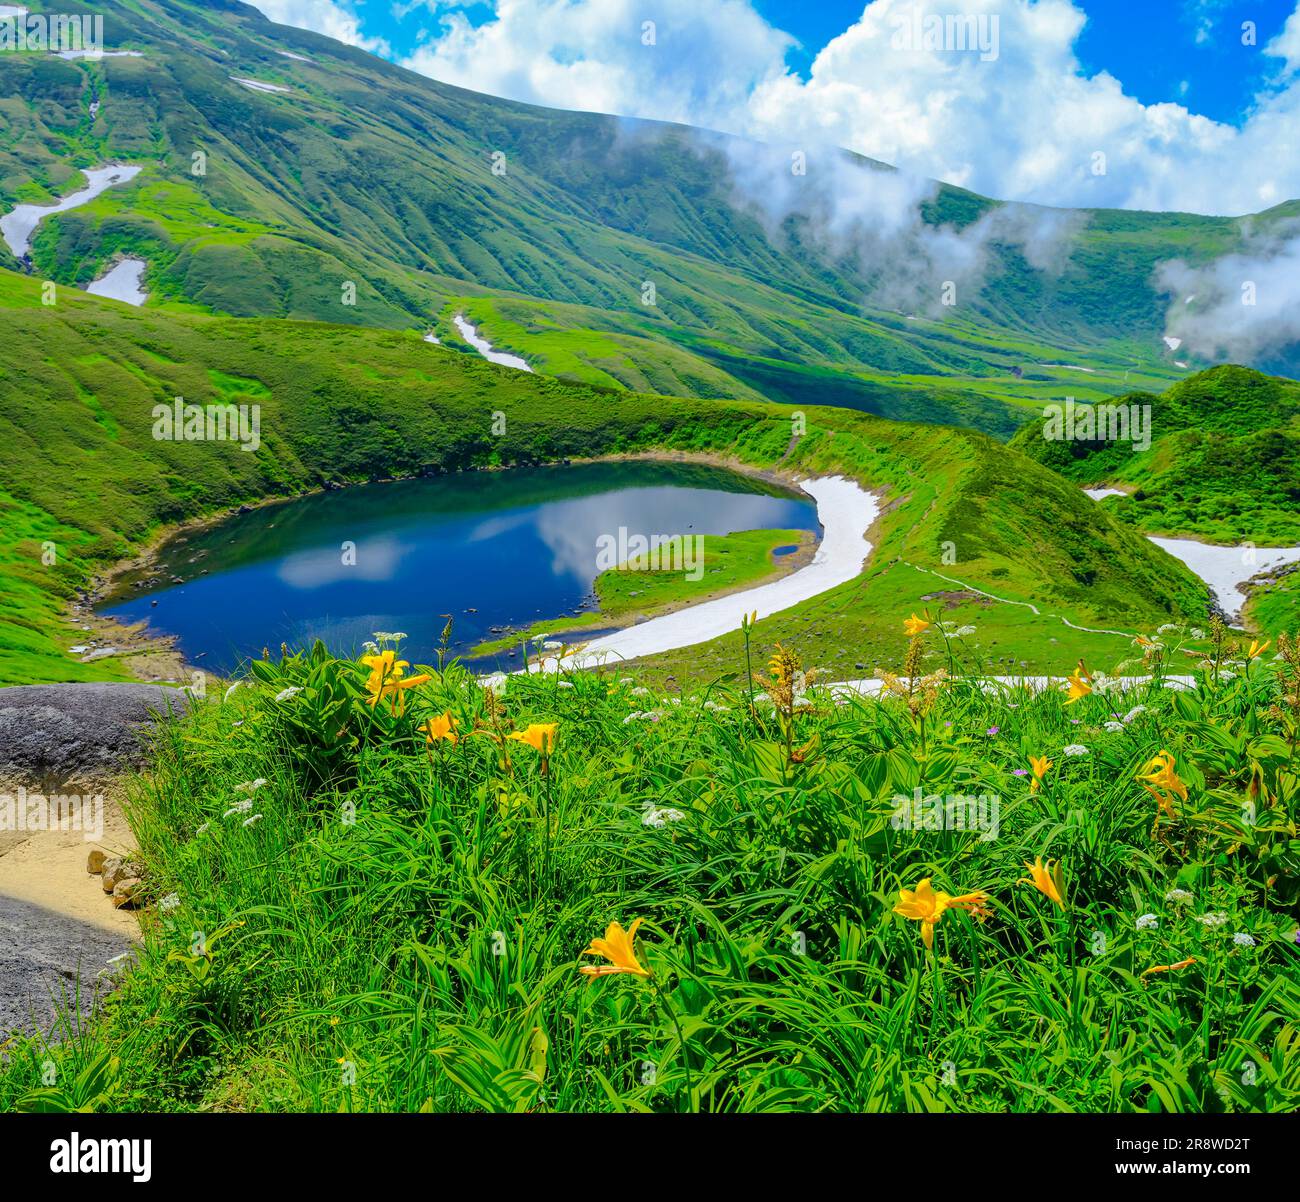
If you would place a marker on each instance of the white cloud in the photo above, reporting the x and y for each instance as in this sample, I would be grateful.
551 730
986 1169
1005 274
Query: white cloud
334 18
695 61
1027 125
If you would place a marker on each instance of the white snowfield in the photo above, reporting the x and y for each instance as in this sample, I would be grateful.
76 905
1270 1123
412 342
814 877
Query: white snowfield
1226 569
258 85
872 686
485 348
845 512
18 226
122 282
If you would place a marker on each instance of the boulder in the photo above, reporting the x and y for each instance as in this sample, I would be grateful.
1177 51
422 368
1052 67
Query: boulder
95 861
127 891
64 731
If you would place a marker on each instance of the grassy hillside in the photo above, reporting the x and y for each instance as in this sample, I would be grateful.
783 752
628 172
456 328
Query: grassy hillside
81 469
366 173
1224 461
386 923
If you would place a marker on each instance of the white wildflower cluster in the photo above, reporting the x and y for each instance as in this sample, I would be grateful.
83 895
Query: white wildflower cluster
1075 749
658 816
640 691
1212 920
494 684
1178 897
1146 922
953 630
643 716
1242 939
716 708
244 804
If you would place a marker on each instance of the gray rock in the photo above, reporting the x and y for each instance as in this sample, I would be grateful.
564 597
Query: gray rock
43 956
67 730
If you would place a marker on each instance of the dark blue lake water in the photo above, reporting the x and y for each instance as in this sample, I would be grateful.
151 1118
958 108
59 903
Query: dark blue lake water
492 549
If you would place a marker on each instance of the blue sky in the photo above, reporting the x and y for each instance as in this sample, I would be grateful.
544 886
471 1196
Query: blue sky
1168 104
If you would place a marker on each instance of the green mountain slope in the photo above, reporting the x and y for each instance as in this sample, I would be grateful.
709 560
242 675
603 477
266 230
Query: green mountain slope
1224 460
365 173
83 474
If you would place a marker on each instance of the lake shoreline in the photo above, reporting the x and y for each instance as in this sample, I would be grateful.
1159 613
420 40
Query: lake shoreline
82 608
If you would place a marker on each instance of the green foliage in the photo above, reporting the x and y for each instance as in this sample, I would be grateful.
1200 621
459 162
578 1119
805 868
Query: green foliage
399 926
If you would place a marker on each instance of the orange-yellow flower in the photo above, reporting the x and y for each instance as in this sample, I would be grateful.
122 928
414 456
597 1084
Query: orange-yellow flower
1169 967
1080 686
617 948
914 625
540 736
443 727
1165 782
388 679
1040 764
1048 879
1258 648
926 906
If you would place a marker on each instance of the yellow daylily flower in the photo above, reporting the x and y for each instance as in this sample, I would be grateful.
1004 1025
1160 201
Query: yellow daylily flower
925 905
443 727
1258 648
1170 967
388 679
617 948
1165 783
1160 772
914 625
1080 686
540 736
1048 879
1040 764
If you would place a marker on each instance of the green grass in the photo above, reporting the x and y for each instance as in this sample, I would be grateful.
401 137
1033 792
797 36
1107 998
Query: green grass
401 925
1223 465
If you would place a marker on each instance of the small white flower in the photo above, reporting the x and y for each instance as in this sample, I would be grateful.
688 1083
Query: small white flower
251 786
1212 920
170 902
654 816
551 644
233 725
1241 939
564 684
1197 634
496 683
203 828
1136 712
370 648
640 691
1115 728
119 959
1179 897
253 821
385 637
240 807
1146 921
233 687
285 694
1168 628
963 632
1075 749
716 708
